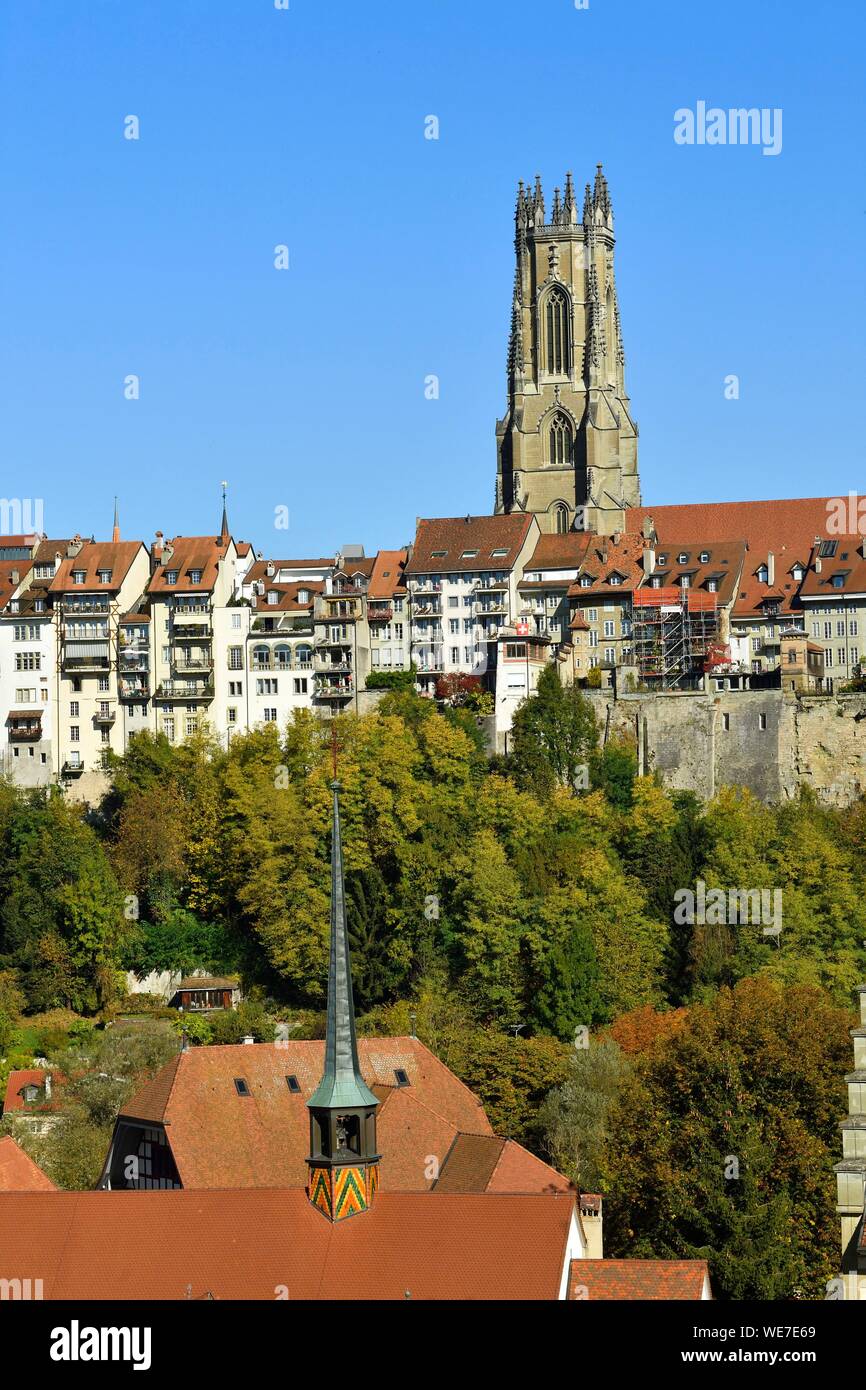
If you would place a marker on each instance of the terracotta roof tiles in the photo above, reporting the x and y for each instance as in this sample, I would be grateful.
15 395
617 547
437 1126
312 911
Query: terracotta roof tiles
454 536
637 1279
18 1172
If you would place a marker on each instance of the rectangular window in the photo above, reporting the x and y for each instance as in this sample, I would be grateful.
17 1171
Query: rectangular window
455 656
105 734
300 684
609 627
74 734
168 727
191 725
762 721
232 715
236 620
270 716
453 624
74 709
726 722
236 658
28 661
841 655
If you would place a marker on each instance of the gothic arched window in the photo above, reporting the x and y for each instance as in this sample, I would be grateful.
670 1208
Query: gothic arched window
559 442
560 515
558 337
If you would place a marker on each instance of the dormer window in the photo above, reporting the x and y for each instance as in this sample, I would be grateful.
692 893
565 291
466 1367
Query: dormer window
797 573
763 574
79 576
656 581
712 585
663 559
303 596
171 576
704 557
195 576
104 576
685 581
585 581
838 581
615 579
273 596
682 558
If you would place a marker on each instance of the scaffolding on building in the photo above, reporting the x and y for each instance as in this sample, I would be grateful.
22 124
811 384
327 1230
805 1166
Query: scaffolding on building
676 636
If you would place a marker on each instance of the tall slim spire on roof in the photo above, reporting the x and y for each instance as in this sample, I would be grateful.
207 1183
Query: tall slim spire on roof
115 530
344 1162
224 528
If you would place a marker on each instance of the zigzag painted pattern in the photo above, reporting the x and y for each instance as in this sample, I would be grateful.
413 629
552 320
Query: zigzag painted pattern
350 1192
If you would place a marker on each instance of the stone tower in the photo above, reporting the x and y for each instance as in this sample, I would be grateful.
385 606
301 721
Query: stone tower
567 446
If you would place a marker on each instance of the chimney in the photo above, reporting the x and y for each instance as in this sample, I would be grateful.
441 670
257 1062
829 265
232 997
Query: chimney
15 576
74 546
771 567
649 561
248 1040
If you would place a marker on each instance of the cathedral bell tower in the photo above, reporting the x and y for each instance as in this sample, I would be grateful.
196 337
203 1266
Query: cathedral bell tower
343 1161
567 445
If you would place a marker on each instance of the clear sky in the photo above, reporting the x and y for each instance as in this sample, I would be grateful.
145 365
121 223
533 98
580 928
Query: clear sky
304 388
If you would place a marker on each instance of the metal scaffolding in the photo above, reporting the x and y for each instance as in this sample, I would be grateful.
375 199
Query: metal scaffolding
676 636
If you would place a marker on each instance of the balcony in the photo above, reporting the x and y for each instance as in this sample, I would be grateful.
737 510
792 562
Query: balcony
484 585
173 690
272 666
74 659
342 691
85 605
379 615
104 718
199 628
490 610
427 586
25 734
335 667
186 664
72 769
129 690
427 609
134 659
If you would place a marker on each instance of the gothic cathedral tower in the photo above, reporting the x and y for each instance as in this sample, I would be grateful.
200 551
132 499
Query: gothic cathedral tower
567 446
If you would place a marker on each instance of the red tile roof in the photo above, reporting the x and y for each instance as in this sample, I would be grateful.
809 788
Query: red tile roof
188 553
787 527
18 1080
116 556
220 1139
560 552
637 1279
606 556
249 1244
386 578
457 534
486 1163
18 1172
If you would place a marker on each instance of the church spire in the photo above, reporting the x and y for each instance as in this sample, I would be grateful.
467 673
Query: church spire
224 528
115 530
344 1163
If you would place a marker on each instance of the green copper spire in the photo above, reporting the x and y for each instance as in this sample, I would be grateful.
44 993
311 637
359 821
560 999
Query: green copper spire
342 1085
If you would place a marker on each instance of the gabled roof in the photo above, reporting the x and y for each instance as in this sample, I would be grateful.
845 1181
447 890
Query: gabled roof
606 556
29 1076
18 1172
386 578
557 552
638 1279
221 1139
248 1244
9 586
441 544
787 527
486 1163
189 553
94 556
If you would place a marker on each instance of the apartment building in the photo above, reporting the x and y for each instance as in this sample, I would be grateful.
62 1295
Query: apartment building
341 643
26 677
833 599
462 581
543 590
94 584
609 573
278 647
388 612
191 595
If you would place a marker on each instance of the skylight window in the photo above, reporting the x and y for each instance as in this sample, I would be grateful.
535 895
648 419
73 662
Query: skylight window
402 1076
241 1086
469 555
294 1085
498 554
828 549
438 554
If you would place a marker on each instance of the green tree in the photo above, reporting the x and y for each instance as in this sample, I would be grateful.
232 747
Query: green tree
554 735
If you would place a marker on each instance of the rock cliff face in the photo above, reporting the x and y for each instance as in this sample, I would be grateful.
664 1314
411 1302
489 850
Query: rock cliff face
770 741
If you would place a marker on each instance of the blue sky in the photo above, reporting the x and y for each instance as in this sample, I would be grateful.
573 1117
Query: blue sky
305 388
